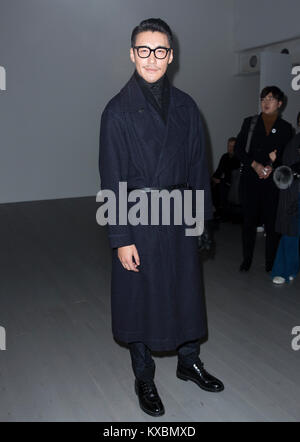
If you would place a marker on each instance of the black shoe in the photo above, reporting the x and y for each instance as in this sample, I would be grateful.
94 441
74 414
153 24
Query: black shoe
199 375
149 399
245 266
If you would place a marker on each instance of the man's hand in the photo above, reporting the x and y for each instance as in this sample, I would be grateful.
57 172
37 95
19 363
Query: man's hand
216 180
125 255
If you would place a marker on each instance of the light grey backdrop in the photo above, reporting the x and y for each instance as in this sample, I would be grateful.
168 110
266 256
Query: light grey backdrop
262 22
65 59
275 68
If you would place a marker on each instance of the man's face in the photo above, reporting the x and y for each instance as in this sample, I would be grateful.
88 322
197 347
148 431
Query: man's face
269 104
230 147
151 68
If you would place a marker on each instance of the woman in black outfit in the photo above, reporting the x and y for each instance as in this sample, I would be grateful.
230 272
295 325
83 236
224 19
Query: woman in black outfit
259 195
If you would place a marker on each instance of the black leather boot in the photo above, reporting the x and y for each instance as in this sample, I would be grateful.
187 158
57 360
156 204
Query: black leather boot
149 399
200 376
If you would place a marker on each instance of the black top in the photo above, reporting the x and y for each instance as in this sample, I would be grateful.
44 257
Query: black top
157 93
262 144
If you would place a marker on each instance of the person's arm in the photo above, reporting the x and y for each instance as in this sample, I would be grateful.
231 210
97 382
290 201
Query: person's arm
280 150
276 157
113 165
220 169
198 173
247 158
113 162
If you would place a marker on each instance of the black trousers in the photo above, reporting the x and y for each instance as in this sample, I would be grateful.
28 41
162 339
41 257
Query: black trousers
259 202
144 366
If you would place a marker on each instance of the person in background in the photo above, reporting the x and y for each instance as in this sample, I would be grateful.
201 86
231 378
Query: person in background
221 180
286 264
259 194
298 124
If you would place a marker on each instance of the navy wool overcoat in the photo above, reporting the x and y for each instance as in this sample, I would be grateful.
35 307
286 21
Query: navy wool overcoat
162 305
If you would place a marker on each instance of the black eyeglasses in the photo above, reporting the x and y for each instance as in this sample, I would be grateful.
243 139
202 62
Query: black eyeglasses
267 99
144 51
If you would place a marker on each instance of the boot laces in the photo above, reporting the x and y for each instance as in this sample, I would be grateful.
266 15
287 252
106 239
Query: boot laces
148 388
199 367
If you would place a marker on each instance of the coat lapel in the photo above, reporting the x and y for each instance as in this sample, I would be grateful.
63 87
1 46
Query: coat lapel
174 131
175 135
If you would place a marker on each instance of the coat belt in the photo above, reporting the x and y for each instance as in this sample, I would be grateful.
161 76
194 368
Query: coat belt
148 189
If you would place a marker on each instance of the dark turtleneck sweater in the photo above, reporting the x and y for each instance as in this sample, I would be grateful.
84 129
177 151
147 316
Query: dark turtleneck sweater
157 93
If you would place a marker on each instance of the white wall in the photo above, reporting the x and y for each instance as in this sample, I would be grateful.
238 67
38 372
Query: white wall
65 59
275 68
261 22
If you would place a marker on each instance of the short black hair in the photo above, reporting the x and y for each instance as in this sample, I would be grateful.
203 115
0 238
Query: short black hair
231 139
274 90
152 24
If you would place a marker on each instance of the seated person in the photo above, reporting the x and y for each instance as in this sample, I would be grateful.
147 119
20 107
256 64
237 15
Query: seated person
221 179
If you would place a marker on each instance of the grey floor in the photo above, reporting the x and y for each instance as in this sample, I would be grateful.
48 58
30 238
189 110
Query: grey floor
61 362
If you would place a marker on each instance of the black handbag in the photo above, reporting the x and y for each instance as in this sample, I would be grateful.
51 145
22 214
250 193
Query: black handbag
249 137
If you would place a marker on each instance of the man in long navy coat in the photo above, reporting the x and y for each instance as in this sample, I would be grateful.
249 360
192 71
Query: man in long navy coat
152 138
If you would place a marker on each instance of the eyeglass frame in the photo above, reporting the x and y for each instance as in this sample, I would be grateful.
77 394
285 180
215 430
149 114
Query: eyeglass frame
270 99
152 50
